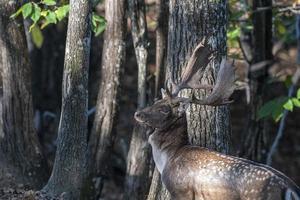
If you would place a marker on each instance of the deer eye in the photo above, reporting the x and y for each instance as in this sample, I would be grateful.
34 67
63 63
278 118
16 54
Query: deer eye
164 110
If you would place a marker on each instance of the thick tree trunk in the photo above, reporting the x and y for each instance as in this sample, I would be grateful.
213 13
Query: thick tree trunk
113 56
189 22
70 161
138 161
255 142
19 141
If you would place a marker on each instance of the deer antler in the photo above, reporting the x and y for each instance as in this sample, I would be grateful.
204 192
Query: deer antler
223 88
194 71
195 68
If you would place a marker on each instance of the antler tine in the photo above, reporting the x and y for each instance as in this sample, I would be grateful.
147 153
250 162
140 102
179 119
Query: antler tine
223 88
195 68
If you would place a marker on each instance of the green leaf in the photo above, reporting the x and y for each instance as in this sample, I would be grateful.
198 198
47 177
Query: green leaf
298 94
100 28
281 28
26 10
36 13
16 14
61 12
289 105
98 24
49 2
50 19
296 102
277 113
266 110
94 24
44 13
37 36
234 34
273 108
98 18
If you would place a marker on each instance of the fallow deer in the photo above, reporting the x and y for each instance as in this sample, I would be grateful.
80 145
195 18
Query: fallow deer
193 172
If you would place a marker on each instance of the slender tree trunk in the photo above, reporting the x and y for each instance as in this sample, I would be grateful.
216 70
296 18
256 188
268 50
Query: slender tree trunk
162 8
189 22
19 142
113 56
138 161
255 142
70 161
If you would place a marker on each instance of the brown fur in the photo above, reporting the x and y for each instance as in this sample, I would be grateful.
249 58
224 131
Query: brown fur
196 173
193 172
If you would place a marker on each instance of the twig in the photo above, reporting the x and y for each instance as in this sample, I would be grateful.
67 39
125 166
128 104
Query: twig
280 130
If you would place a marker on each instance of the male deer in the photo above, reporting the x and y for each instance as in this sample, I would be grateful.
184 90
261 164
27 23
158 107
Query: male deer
193 172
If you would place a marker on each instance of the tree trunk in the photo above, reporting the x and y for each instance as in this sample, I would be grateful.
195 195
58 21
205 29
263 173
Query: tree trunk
255 144
19 141
162 9
70 160
189 22
139 156
113 56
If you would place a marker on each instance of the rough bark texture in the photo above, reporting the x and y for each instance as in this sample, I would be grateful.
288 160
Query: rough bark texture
139 155
19 141
255 144
113 55
189 22
162 8
70 161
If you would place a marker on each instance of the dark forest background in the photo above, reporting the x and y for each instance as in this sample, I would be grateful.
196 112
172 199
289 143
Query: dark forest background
128 64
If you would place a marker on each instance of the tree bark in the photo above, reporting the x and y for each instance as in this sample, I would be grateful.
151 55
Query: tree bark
113 56
19 141
139 156
189 22
162 8
70 161
255 135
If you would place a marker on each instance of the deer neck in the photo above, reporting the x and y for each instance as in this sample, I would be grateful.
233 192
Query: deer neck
165 142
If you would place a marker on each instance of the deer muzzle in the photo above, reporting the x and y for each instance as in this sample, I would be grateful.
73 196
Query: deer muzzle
139 116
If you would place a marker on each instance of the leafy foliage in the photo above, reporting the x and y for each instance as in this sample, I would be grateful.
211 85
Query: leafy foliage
239 21
275 107
98 24
48 12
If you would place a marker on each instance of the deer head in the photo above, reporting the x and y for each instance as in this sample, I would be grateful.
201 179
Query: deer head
171 107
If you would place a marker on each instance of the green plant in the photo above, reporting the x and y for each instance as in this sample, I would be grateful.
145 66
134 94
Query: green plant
48 12
275 108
